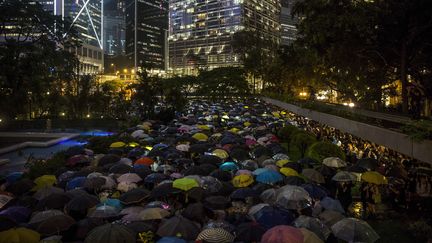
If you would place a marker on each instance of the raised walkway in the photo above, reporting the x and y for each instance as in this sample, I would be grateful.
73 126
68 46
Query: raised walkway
402 143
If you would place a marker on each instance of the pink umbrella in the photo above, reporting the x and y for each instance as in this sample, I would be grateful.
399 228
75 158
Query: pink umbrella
282 234
176 175
183 147
272 167
243 172
250 142
129 178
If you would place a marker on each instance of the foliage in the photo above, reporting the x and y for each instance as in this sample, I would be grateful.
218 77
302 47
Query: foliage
322 150
46 167
100 145
302 140
419 130
421 230
285 133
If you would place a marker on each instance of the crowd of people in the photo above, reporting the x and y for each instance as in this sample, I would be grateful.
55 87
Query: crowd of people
217 173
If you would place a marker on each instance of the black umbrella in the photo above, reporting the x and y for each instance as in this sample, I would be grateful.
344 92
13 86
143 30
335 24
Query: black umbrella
294 180
196 212
94 183
208 168
239 154
84 226
54 225
7 223
135 195
295 166
221 175
81 203
243 193
209 159
53 201
261 151
111 233
356 169
155 178
217 202
199 148
120 169
249 232
194 170
179 226
368 163
163 190
20 187
108 159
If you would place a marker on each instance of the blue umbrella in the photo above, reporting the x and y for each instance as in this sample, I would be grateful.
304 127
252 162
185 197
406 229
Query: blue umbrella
269 177
259 171
243 193
112 202
13 177
76 182
17 213
269 217
227 166
315 191
155 178
332 204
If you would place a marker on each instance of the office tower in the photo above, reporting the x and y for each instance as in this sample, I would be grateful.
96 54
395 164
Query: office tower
115 28
146 33
288 22
201 31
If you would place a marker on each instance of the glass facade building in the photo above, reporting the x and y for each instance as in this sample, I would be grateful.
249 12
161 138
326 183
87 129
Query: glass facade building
146 33
288 23
201 31
115 28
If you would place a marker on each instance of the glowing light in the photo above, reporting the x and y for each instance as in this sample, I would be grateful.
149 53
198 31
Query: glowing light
88 116
62 114
351 105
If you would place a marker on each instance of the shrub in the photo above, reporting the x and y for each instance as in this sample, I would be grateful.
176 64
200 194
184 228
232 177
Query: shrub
46 167
302 140
100 145
322 150
286 132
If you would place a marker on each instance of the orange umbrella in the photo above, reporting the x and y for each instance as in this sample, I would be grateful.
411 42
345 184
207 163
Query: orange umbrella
144 161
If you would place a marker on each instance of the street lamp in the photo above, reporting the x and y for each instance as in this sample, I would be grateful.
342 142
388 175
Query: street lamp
125 70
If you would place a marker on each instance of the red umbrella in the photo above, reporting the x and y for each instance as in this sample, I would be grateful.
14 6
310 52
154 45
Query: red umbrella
282 234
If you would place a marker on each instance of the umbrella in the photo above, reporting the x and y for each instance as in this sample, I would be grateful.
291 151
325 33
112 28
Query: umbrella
209 159
283 234
211 184
144 161
313 224
293 197
94 183
308 161
282 162
76 182
269 177
179 226
269 196
243 193
397 171
229 166
155 178
111 202
239 154
310 237
120 169
13 177
19 235
200 137
78 159
194 170
222 154
217 202
185 184
47 191
249 232
199 148
44 181
259 171
288 172
153 214
163 190
136 195
344 176
242 180
108 159
48 223
334 162
215 235
271 216
315 191
129 178
110 233
18 214
117 145
294 180
183 147
374 177
104 212
81 203
367 163
7 223
313 175
354 230
330 217
280 156
331 204
53 201
170 240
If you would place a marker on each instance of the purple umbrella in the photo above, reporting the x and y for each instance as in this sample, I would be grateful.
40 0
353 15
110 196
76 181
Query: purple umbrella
17 213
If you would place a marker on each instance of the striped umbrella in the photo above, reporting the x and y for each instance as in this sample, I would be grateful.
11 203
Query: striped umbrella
216 235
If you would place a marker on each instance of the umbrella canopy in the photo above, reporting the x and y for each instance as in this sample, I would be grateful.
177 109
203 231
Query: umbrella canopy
354 230
200 137
185 184
104 212
315 191
269 177
49 222
129 178
215 235
283 234
153 213
46 191
110 233
330 217
81 203
133 196
249 232
163 190
171 240
374 177
19 235
118 145
269 217
217 202
243 193
229 166
144 161
44 181
334 162
344 176
18 214
180 227
332 204
369 164
293 197
76 182
53 201
242 180
310 237
288 172
313 175
222 154
313 224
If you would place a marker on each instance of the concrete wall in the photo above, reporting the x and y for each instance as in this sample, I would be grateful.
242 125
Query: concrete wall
394 140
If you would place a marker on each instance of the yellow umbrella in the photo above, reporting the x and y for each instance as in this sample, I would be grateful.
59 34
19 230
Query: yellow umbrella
234 130
374 177
282 162
185 184
289 172
19 235
242 180
117 145
133 144
246 124
276 114
44 181
220 153
203 127
200 136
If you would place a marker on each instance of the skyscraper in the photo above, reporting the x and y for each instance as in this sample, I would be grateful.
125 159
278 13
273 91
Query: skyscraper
146 33
115 28
288 23
201 31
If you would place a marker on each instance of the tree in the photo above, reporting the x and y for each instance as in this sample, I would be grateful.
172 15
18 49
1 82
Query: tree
302 140
146 94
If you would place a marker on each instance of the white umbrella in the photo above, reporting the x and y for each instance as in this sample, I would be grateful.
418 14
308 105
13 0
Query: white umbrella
334 162
293 197
354 230
344 176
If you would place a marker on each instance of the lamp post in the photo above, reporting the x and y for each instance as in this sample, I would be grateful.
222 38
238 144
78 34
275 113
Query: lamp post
113 66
